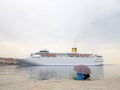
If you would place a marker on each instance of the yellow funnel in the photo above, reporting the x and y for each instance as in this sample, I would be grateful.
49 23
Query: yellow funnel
74 49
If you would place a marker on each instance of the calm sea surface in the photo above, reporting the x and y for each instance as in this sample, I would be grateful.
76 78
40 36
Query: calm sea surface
54 72
25 77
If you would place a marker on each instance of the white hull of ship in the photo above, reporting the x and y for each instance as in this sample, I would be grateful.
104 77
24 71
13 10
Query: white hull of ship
62 61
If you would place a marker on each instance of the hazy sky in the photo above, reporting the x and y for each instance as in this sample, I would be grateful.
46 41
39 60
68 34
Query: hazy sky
93 26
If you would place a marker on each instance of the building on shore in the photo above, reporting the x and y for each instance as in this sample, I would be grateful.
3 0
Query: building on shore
8 61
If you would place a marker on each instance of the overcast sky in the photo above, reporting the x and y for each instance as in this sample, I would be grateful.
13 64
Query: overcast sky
93 26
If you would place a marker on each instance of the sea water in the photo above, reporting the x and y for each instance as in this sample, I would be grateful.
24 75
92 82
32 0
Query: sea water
12 73
25 77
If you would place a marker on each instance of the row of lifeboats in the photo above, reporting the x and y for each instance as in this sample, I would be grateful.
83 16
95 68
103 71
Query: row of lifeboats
79 55
48 55
70 55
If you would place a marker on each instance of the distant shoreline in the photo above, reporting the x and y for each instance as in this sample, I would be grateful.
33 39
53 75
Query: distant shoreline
8 61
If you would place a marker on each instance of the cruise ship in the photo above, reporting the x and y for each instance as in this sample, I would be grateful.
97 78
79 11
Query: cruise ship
44 57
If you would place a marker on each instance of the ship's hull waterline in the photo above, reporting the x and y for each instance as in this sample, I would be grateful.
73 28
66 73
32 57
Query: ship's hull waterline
61 61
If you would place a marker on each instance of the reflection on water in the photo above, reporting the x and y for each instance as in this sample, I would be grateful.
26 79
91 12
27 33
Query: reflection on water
57 72
17 73
97 71
18 77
